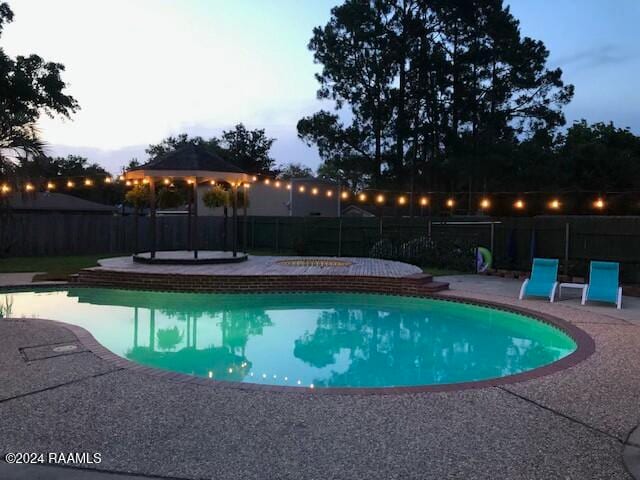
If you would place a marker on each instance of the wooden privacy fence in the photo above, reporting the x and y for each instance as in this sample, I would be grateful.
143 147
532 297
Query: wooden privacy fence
77 234
575 240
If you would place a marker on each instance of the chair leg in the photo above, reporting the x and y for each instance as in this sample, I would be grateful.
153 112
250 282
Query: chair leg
523 289
553 292
619 302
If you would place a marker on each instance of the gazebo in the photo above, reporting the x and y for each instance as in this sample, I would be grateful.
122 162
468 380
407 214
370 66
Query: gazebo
195 165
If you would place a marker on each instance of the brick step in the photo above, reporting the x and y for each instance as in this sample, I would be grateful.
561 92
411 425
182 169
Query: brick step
433 287
420 278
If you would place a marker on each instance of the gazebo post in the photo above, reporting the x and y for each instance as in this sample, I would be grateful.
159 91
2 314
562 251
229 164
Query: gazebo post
189 219
195 218
235 220
245 199
152 217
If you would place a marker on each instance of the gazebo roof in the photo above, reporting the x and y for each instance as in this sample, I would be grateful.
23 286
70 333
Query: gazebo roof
188 161
190 157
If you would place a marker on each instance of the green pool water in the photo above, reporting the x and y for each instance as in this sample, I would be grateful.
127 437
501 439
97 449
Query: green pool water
303 339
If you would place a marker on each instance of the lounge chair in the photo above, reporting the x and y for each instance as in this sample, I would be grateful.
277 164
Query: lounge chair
603 284
543 281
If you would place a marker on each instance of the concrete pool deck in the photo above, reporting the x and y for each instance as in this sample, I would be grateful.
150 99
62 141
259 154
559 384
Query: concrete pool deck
571 424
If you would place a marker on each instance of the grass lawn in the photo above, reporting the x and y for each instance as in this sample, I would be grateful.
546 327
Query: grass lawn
56 267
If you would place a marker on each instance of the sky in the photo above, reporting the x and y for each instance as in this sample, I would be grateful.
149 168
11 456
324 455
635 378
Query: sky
145 69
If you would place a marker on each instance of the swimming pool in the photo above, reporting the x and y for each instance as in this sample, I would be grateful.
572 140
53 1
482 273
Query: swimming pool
314 340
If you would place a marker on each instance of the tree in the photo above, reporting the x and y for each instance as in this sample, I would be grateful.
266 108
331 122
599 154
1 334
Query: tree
248 149
294 170
172 143
436 92
29 87
599 157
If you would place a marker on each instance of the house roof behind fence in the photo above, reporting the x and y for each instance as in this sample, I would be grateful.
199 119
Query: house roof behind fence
50 201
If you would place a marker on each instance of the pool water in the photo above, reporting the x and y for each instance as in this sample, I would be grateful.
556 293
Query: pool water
303 339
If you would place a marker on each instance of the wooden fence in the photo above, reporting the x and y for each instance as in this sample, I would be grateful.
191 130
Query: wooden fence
575 240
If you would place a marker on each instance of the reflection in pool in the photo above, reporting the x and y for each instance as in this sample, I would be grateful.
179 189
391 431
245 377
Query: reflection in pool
303 339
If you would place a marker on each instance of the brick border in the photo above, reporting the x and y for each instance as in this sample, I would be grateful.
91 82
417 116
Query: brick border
416 284
585 347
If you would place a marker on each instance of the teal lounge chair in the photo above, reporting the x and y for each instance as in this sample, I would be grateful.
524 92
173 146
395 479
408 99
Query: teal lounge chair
543 281
603 284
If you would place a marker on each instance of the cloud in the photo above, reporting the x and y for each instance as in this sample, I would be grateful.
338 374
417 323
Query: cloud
594 57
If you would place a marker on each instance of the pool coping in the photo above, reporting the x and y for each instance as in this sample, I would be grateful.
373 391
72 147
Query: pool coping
585 347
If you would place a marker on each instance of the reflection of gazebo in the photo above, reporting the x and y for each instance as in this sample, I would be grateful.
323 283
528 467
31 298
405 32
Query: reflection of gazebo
195 165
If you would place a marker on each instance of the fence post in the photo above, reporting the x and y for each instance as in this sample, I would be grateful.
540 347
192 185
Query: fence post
340 236
429 229
493 236
253 232
566 248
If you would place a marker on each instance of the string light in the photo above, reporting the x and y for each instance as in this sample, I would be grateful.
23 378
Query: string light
554 204
5 188
485 203
451 202
128 183
402 200
301 189
121 178
277 184
380 199
314 191
288 186
424 201
254 178
51 186
107 180
191 182
29 187
166 181
362 197
344 195
135 182
246 185
212 182
329 193
70 184
267 181
599 204
145 181
519 204
88 182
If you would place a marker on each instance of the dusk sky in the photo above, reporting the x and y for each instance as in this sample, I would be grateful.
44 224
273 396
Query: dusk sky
144 69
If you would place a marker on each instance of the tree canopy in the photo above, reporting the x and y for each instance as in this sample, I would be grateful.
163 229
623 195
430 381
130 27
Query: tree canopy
428 94
248 149
29 87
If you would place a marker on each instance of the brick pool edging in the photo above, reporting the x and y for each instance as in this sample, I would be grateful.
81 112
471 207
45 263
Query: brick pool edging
585 346
416 284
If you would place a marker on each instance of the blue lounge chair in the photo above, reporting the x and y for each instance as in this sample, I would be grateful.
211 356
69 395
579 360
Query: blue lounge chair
603 284
543 281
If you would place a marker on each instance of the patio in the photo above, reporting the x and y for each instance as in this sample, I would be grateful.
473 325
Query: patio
572 424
